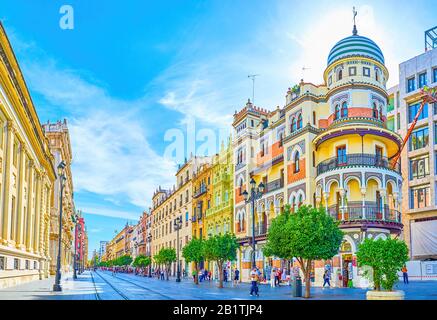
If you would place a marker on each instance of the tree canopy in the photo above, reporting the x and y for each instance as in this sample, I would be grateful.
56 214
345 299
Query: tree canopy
308 234
142 261
165 257
385 257
194 251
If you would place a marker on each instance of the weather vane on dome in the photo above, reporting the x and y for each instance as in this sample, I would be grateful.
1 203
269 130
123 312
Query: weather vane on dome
355 31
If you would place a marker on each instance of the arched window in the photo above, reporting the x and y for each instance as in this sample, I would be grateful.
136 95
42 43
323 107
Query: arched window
375 110
340 75
380 112
344 110
377 75
299 121
337 112
300 201
241 186
296 162
293 125
314 118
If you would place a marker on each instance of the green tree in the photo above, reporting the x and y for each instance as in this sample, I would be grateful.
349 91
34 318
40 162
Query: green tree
308 234
221 248
385 258
142 261
194 252
165 256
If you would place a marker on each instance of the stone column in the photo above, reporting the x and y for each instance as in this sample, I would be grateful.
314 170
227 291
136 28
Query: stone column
6 209
20 198
363 195
326 197
396 201
383 194
36 234
342 196
30 209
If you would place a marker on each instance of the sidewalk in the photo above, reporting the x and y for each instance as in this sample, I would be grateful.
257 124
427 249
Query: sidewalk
80 289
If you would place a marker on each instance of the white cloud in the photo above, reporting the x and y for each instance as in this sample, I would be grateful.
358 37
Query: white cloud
111 154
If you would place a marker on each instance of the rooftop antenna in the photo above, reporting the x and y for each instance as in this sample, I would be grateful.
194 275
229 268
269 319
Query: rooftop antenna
354 31
303 71
252 76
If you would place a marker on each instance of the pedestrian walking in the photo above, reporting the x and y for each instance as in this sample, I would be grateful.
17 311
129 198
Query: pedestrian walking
254 282
326 279
405 274
273 278
194 274
225 275
209 275
236 276
277 275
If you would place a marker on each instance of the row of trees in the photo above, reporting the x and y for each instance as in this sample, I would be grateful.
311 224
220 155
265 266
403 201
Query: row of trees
122 261
218 249
309 234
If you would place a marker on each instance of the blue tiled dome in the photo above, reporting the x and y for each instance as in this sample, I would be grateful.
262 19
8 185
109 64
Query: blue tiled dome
355 45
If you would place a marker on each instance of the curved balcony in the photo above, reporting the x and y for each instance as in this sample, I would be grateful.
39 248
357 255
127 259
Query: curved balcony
357 159
370 215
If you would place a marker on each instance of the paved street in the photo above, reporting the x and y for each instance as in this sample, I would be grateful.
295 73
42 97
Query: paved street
103 286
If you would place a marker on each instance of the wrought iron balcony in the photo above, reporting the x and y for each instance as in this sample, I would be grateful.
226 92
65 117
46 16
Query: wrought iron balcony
240 165
260 230
201 191
274 185
368 212
356 159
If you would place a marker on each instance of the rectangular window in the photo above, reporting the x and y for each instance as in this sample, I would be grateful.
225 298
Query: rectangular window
391 104
341 155
422 80
411 84
419 167
27 265
391 124
419 139
352 71
16 264
420 197
2 263
414 108
366 72
434 75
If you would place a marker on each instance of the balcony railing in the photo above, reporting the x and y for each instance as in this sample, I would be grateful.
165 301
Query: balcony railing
240 165
260 230
356 159
368 212
218 208
274 185
201 191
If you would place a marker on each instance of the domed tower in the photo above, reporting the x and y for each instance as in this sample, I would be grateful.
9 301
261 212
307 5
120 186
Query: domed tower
356 180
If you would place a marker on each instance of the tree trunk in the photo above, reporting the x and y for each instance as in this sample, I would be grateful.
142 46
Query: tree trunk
308 279
168 270
220 267
196 278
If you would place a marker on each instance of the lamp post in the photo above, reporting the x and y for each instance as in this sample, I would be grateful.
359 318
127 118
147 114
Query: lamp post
177 226
75 245
255 194
61 175
149 240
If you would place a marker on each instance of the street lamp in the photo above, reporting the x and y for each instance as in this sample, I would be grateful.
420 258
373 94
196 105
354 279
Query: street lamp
76 232
62 178
149 240
177 226
255 194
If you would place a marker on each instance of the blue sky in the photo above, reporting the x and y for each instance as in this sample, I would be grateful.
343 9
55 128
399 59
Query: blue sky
131 71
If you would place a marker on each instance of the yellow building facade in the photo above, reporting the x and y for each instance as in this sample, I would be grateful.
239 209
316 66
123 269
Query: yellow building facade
171 204
328 146
27 177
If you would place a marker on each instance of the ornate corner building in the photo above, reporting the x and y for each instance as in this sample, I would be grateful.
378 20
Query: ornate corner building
27 177
328 146
60 147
